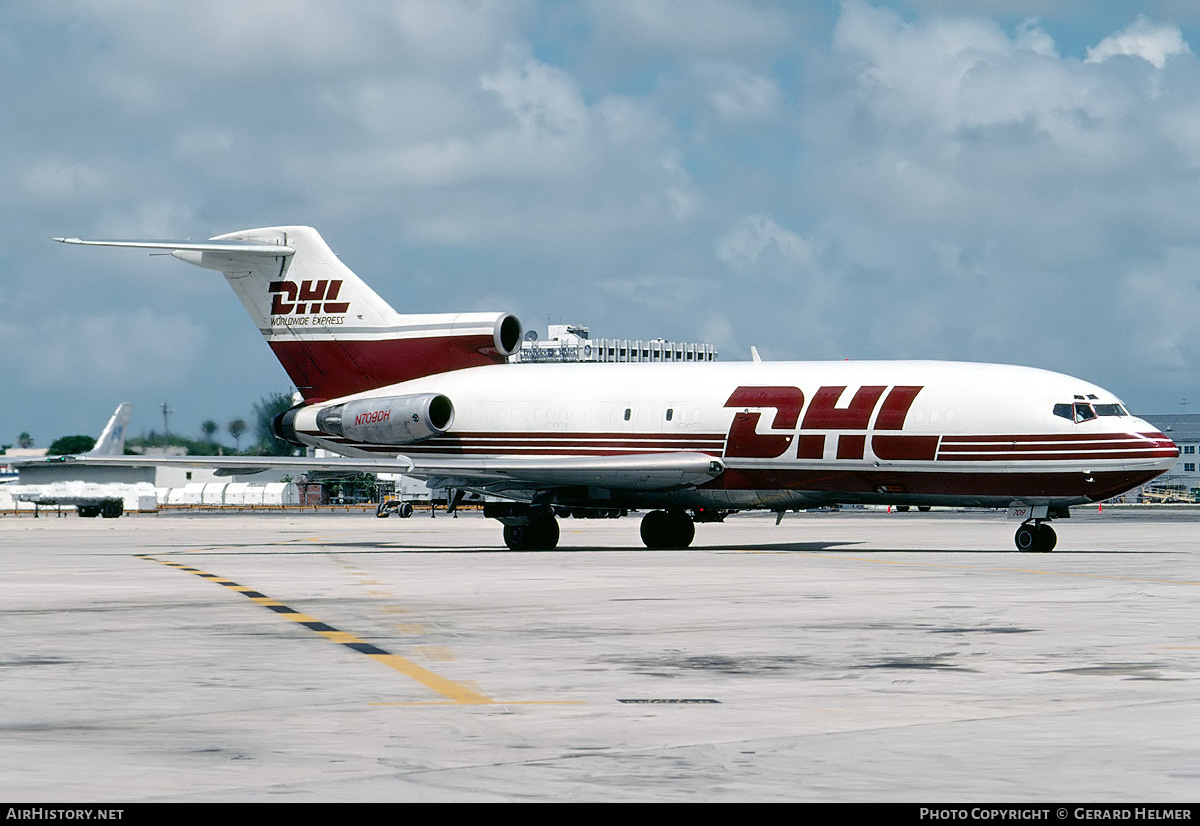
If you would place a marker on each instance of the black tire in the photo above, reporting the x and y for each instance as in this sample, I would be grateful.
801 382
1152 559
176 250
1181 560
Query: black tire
539 535
1026 539
1036 539
662 530
405 510
1047 538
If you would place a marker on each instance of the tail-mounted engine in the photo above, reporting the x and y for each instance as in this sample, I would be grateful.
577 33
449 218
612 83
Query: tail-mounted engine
393 420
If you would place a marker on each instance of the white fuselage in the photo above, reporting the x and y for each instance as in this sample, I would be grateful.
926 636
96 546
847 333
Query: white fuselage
799 433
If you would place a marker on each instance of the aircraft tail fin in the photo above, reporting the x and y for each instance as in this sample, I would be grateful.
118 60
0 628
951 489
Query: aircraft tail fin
332 333
112 439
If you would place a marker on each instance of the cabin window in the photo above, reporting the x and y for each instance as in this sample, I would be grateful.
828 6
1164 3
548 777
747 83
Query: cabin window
1109 410
1065 410
670 413
628 413
1084 412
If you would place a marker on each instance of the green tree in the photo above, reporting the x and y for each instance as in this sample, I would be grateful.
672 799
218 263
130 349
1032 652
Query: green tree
70 445
236 428
265 411
209 428
24 440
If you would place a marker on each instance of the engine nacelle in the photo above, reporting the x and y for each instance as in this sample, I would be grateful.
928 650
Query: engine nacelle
284 425
394 420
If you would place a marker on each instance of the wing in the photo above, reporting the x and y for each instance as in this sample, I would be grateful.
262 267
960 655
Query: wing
658 471
231 465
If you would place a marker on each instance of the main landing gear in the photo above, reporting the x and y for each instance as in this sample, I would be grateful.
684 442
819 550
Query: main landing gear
667 529
541 534
1036 537
536 529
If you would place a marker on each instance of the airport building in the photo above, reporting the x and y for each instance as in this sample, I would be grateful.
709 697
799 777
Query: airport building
573 343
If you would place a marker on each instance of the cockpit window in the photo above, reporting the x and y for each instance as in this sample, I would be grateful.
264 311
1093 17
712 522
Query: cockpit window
1082 412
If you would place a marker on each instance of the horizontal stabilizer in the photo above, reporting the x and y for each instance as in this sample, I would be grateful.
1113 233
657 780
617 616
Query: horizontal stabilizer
240 247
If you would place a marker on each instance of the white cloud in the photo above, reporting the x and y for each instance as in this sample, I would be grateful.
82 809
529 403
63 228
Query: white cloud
59 180
1143 38
92 353
694 27
757 243
1031 37
1157 300
542 99
738 95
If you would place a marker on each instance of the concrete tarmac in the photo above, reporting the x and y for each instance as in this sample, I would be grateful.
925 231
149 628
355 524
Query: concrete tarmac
860 656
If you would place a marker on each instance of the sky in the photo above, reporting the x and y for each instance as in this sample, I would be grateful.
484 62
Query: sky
865 179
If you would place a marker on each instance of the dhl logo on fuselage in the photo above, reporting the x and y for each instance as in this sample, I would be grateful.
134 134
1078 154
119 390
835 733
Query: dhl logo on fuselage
789 437
307 297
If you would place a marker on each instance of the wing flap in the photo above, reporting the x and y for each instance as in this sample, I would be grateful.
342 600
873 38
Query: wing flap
660 471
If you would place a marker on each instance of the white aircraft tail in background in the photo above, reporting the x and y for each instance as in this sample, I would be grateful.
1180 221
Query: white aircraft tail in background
112 438
107 499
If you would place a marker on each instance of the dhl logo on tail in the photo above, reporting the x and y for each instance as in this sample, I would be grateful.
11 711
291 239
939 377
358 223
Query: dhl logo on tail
312 297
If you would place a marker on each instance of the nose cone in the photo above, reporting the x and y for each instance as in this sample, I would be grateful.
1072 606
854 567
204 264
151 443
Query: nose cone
1157 445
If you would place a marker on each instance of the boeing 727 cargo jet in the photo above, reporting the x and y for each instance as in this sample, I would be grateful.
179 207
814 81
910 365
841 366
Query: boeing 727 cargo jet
433 397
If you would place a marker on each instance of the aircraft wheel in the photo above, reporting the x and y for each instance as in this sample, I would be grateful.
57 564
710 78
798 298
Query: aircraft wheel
1047 538
667 529
1036 539
539 535
923 508
383 510
902 509
1026 539
112 510
405 510
88 511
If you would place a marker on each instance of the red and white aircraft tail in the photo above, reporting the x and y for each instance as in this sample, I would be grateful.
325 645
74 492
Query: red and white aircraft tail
332 333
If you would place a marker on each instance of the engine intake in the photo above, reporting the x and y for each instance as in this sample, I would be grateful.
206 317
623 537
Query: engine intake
394 420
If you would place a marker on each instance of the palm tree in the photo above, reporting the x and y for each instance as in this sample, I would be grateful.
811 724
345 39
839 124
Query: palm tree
25 440
209 428
236 428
